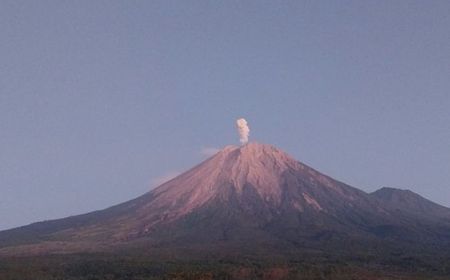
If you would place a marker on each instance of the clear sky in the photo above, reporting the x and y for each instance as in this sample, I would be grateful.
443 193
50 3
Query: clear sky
100 100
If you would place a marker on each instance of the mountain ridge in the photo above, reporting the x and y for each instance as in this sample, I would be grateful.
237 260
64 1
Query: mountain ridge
252 194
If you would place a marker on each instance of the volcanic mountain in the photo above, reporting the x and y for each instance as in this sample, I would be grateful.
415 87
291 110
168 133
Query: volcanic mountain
251 199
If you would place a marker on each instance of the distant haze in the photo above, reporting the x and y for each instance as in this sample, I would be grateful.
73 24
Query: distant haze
99 101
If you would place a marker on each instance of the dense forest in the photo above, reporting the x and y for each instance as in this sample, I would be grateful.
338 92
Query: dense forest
108 267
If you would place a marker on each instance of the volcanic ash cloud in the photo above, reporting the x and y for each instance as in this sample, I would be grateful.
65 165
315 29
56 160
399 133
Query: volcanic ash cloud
243 130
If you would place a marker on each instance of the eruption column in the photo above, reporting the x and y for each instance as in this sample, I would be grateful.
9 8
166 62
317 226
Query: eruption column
243 130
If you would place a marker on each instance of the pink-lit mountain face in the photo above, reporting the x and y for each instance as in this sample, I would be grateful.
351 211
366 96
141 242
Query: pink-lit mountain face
248 199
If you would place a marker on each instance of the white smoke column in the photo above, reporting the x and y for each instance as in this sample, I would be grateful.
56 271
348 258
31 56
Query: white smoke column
243 130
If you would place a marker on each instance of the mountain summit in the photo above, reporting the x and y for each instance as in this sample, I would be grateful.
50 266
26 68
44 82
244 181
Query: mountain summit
253 198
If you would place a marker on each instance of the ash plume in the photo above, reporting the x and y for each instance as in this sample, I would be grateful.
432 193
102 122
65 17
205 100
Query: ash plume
243 130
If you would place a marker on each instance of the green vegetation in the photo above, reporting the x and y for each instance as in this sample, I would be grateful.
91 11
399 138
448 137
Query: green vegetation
109 267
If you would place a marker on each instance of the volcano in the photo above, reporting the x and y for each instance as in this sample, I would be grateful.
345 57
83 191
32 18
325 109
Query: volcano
245 200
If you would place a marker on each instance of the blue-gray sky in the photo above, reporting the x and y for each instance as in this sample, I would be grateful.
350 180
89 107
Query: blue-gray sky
99 99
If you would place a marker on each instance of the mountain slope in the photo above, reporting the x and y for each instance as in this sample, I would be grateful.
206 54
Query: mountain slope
253 196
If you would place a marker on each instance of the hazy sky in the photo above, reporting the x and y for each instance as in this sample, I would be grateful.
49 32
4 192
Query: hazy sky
99 100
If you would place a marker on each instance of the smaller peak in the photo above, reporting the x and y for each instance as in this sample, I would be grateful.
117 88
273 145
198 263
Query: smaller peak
386 189
391 190
387 192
